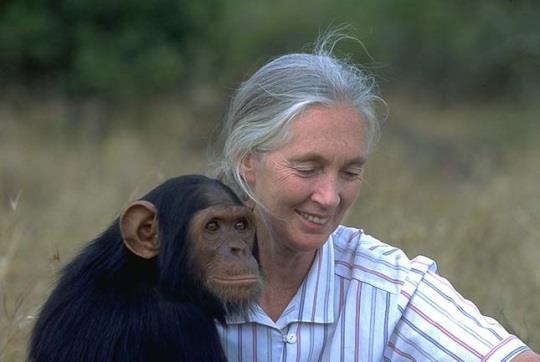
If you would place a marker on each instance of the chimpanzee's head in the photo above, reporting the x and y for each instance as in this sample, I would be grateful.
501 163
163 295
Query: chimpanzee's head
202 238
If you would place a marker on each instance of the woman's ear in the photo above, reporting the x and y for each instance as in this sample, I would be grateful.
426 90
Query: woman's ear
247 168
139 228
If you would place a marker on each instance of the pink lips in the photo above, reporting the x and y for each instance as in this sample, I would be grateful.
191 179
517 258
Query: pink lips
315 219
237 280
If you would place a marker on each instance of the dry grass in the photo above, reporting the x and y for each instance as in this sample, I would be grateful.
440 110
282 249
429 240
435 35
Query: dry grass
457 184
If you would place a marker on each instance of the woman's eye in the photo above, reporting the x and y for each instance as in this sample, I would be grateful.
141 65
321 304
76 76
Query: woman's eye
306 171
241 225
211 226
353 175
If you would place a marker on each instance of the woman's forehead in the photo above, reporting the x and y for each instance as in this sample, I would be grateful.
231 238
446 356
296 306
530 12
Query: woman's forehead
338 128
327 116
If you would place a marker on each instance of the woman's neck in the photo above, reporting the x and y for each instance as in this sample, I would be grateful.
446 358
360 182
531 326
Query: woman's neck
283 271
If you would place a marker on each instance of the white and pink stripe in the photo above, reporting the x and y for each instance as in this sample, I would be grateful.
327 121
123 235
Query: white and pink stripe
364 300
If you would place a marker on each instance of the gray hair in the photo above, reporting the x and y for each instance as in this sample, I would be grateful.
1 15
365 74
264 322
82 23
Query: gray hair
263 108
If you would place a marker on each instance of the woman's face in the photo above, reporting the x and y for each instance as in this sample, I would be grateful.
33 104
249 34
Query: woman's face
309 183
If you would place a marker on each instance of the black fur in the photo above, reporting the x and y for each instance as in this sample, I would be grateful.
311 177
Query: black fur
110 305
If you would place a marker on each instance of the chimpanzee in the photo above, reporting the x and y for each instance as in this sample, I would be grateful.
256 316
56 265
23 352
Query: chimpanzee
151 287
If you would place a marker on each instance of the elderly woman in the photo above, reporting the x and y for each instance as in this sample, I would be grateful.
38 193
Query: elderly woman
294 145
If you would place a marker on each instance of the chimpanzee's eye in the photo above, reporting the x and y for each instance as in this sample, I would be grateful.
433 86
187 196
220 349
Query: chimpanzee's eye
211 226
241 225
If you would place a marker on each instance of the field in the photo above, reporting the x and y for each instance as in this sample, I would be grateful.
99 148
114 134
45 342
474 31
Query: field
459 183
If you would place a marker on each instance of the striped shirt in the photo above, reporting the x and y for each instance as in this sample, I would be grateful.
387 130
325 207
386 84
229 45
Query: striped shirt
363 300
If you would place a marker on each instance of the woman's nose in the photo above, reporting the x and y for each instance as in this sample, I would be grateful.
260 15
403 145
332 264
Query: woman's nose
327 192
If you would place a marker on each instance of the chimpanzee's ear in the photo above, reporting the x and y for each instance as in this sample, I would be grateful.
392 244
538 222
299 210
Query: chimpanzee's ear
139 229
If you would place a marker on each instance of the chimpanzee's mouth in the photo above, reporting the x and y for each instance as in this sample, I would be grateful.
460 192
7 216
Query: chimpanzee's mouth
237 280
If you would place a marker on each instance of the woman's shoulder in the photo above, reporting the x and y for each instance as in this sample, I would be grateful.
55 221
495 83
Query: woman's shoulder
360 256
357 240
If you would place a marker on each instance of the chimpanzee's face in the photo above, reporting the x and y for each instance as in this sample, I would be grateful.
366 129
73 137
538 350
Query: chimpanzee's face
222 237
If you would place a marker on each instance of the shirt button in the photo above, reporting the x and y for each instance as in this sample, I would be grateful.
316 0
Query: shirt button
291 338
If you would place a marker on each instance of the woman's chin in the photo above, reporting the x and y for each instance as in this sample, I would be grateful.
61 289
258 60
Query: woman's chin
311 242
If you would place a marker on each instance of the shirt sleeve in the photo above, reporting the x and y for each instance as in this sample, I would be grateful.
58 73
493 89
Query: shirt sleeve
438 324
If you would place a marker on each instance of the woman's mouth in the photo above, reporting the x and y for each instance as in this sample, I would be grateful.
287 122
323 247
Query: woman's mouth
312 218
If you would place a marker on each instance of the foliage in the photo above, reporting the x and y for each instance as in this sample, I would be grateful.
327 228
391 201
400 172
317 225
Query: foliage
139 47
123 47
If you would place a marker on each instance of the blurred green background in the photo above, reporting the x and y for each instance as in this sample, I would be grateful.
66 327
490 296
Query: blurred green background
130 48
101 100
